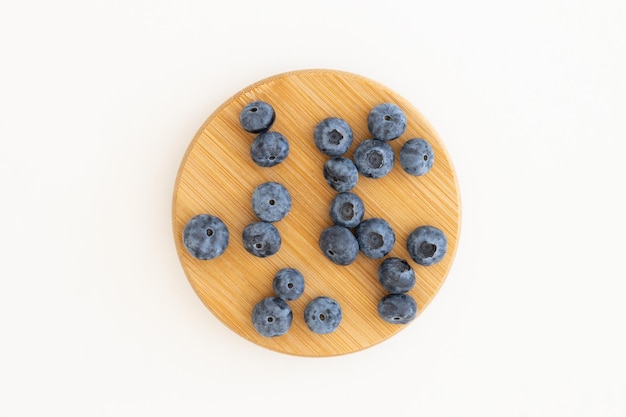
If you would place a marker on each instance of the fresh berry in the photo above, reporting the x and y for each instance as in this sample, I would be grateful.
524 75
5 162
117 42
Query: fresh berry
272 316
396 276
288 284
386 121
417 157
427 245
397 308
375 237
261 239
373 158
271 201
341 174
323 315
205 237
339 245
347 209
333 136
269 149
257 116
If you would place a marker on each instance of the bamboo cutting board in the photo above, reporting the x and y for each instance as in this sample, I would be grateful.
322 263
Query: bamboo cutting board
217 176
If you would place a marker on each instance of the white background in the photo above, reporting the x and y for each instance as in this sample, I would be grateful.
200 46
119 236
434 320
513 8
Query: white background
99 101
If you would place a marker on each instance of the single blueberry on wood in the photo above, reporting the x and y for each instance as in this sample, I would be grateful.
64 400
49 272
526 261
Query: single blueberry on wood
339 245
269 149
333 136
272 317
347 209
396 276
341 174
205 236
323 315
374 158
397 308
427 245
271 201
386 121
261 239
257 116
288 284
375 237
417 157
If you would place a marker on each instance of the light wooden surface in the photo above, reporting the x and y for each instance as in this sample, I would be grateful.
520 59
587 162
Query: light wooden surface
217 176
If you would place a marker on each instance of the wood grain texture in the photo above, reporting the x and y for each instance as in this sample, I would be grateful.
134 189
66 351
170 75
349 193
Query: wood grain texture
217 176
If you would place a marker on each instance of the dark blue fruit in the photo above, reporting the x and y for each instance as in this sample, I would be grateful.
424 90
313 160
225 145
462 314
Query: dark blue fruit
341 174
397 308
261 239
396 276
272 316
269 149
333 136
374 158
323 315
417 157
339 245
427 245
271 201
386 121
347 209
288 284
375 237
257 116
205 237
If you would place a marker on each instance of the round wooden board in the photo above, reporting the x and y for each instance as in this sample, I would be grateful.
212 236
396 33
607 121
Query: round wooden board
217 176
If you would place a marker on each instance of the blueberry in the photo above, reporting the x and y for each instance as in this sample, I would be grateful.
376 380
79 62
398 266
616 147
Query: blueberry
257 116
333 136
427 245
339 245
397 308
271 201
288 284
347 209
205 237
323 315
417 156
375 237
386 121
341 174
269 149
261 239
396 276
272 316
374 158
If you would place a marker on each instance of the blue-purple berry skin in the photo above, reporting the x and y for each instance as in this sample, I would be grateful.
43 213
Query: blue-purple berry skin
341 174
339 245
397 308
396 275
427 245
375 237
269 149
386 121
417 157
205 236
271 201
288 284
257 116
272 317
347 209
323 315
374 158
333 136
261 239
